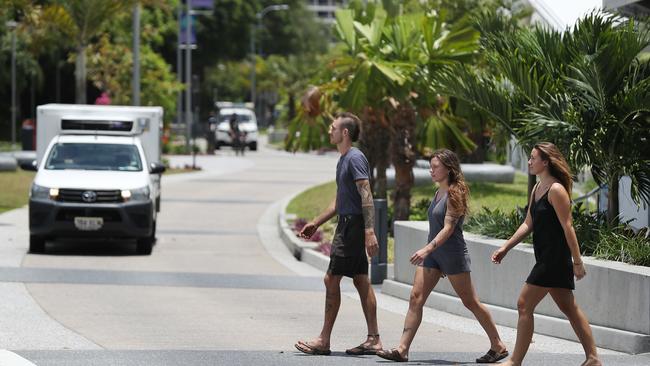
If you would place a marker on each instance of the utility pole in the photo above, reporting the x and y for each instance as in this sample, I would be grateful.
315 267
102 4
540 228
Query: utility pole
188 75
11 24
136 55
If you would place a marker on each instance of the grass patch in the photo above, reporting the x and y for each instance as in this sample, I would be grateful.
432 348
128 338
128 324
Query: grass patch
312 202
172 171
15 189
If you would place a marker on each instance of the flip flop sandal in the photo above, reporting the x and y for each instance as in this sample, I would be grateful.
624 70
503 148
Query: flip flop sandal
311 350
361 350
492 356
392 355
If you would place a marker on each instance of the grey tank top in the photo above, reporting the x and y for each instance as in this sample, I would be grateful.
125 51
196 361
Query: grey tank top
436 214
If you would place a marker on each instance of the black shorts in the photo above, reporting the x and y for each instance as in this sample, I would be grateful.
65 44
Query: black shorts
348 256
348 266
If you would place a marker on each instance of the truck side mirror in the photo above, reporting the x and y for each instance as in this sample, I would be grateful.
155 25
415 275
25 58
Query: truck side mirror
29 165
156 168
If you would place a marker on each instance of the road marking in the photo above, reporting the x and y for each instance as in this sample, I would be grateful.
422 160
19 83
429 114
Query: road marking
8 358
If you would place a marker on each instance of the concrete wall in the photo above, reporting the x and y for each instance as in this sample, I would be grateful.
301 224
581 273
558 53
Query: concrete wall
615 296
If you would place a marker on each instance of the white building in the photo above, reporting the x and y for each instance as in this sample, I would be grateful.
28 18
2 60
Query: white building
324 9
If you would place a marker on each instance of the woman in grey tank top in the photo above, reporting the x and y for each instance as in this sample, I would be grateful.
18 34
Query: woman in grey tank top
445 254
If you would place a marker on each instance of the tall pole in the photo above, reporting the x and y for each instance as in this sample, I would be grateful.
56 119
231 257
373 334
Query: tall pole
253 62
12 24
188 75
259 17
136 54
179 66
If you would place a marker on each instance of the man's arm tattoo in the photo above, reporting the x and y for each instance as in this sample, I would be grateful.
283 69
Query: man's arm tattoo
367 204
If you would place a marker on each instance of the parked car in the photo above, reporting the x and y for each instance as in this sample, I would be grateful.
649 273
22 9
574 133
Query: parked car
246 121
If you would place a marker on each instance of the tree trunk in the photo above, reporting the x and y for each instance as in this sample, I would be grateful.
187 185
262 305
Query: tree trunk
292 107
80 75
374 142
612 201
403 158
532 179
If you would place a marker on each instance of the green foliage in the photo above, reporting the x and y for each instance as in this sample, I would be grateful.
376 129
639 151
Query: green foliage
495 223
597 238
586 90
626 246
110 61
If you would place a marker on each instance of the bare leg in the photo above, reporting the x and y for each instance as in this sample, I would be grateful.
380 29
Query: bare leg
369 306
566 302
529 297
462 284
332 304
423 283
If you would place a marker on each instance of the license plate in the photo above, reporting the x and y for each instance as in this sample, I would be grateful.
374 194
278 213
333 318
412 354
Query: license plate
88 223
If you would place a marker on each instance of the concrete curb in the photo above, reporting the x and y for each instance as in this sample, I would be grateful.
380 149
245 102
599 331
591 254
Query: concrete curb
301 250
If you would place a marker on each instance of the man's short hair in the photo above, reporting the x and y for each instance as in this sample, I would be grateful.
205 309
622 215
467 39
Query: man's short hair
352 123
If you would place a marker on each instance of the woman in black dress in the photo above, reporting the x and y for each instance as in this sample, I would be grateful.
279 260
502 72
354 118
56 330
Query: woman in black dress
557 253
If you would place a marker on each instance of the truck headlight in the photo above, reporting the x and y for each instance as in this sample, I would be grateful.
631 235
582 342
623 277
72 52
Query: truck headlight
41 192
139 194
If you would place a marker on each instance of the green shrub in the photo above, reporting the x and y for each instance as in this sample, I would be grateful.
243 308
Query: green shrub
612 241
419 210
624 246
496 223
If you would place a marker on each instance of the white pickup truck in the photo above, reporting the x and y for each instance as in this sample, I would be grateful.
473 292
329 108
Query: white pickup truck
98 174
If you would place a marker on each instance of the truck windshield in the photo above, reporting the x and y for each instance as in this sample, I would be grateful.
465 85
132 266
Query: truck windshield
94 157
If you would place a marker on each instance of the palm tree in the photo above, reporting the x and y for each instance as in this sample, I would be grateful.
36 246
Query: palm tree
87 18
587 90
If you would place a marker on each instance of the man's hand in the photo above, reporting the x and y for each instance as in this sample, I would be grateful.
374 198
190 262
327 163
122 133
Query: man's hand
372 247
308 230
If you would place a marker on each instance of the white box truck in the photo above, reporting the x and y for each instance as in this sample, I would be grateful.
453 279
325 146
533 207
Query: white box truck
98 174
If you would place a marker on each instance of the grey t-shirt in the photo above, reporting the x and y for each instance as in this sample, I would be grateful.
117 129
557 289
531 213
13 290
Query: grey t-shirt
352 166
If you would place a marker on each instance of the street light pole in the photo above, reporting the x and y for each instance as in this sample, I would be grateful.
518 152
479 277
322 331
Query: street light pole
136 55
188 74
179 67
259 17
12 25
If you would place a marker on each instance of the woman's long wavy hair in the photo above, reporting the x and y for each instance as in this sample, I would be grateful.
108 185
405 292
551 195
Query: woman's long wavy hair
557 165
458 190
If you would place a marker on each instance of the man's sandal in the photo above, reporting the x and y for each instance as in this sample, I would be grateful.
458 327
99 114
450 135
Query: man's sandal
362 349
492 356
304 347
392 355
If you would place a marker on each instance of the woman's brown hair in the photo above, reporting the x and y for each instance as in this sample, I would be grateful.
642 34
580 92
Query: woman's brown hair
458 189
557 165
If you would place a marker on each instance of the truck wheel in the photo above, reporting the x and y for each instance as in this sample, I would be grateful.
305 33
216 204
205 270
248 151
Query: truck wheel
217 145
145 245
36 244
253 146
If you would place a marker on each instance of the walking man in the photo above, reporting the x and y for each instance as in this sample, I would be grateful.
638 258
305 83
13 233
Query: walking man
354 236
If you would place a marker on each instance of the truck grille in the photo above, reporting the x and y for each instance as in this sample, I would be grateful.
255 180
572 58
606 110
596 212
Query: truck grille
76 195
68 214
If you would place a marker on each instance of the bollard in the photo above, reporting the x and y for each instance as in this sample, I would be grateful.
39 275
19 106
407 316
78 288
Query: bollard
378 265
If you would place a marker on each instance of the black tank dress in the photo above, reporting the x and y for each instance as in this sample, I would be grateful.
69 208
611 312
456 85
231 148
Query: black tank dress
553 267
